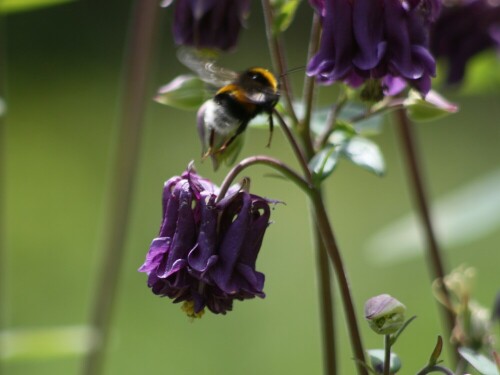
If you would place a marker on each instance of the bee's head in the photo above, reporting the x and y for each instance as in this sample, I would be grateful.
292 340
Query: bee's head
259 79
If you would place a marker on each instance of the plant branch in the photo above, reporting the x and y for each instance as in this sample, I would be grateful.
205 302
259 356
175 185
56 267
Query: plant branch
275 44
330 243
304 126
387 354
435 368
415 176
265 160
137 63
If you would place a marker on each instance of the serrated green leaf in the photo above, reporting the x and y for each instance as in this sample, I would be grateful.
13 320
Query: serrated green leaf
364 153
433 107
11 6
184 92
479 361
284 14
376 358
323 163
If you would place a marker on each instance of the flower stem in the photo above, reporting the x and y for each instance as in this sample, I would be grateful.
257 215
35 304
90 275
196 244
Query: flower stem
326 297
278 57
3 255
137 63
434 253
330 360
265 160
436 368
330 244
387 354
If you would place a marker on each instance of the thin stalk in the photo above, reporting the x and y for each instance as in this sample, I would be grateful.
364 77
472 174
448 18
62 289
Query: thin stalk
417 187
304 127
325 290
137 63
264 160
327 315
278 58
3 251
299 154
324 227
436 368
387 354
461 366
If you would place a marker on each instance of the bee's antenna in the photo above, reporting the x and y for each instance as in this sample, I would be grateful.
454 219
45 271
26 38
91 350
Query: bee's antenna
293 70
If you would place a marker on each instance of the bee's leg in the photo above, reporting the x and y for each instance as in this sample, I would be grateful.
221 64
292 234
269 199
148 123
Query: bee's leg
211 142
240 130
271 128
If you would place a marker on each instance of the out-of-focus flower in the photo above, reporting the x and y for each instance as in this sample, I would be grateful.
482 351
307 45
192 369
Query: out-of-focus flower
472 321
385 314
464 29
206 251
208 23
386 40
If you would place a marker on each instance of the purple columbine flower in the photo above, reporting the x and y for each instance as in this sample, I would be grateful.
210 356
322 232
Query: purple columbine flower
382 40
206 251
208 23
464 29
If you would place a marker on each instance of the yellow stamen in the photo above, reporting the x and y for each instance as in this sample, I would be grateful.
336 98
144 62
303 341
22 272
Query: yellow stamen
188 308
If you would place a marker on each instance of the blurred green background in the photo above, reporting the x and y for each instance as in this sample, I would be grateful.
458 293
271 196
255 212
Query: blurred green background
64 79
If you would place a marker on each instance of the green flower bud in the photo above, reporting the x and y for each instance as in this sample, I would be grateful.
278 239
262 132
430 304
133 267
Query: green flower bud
385 314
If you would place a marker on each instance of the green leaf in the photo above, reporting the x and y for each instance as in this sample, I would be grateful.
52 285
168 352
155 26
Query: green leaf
43 343
433 360
184 92
376 357
11 6
364 153
284 13
320 119
432 107
480 362
323 163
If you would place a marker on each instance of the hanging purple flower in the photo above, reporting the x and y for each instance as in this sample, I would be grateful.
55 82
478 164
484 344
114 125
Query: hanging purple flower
464 29
208 23
384 40
206 251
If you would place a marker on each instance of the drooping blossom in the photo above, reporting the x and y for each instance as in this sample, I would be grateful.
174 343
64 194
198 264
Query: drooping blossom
206 250
208 23
464 29
383 40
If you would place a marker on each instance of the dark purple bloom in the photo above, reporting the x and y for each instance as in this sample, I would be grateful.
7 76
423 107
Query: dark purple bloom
464 29
375 39
208 23
206 250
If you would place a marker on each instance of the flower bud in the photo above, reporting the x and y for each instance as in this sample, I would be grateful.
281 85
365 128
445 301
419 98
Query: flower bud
385 314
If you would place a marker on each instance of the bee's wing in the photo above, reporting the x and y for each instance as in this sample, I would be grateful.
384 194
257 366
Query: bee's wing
206 67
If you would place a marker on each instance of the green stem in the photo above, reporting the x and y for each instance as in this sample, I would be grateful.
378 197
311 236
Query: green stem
278 58
436 368
324 227
330 360
434 253
3 255
304 127
387 354
326 297
265 160
137 63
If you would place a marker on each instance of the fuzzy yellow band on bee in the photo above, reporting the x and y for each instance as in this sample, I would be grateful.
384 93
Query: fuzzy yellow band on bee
268 75
236 92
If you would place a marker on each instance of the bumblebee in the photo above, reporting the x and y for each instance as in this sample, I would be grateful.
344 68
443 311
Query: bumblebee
240 97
